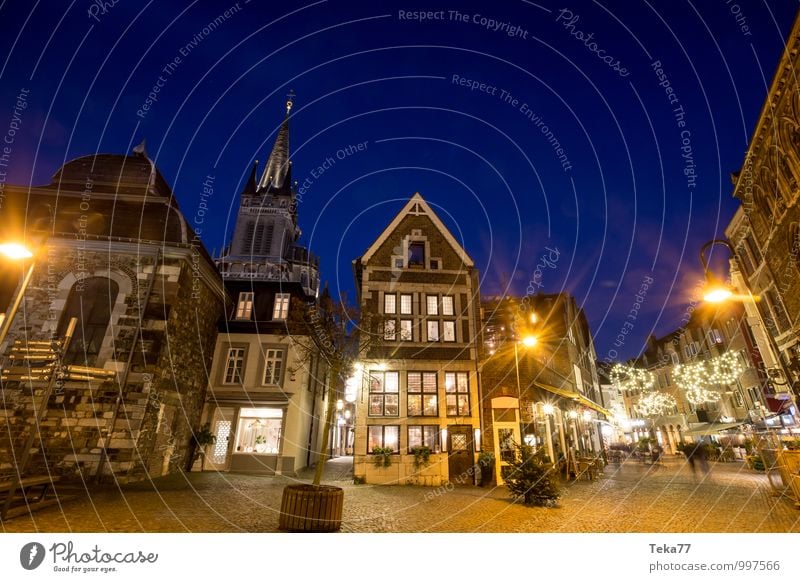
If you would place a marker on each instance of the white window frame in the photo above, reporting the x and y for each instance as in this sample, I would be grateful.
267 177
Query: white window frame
244 305
234 366
406 301
449 326
280 310
273 356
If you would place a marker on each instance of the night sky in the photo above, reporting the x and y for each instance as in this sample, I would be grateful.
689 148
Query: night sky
462 107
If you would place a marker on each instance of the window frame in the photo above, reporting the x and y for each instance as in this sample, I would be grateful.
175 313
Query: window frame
428 324
227 360
383 427
448 299
456 393
280 306
244 306
374 395
435 446
410 330
410 298
416 264
390 330
445 325
422 392
386 298
279 350
434 304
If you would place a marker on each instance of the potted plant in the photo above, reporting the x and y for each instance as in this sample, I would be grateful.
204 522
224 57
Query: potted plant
486 462
261 443
383 457
422 457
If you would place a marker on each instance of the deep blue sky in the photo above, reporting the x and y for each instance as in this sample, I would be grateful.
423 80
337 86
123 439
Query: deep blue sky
623 212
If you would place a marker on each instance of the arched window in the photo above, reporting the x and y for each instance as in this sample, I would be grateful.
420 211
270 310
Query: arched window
90 301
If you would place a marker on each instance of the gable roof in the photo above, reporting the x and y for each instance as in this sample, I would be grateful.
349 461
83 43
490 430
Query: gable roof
417 206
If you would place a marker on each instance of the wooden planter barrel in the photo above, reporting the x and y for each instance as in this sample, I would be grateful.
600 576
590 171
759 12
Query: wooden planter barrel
311 508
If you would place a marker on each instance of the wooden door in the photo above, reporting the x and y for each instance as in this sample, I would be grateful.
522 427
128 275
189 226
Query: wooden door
461 454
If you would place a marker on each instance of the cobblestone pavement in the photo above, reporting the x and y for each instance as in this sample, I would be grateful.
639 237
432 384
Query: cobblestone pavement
631 498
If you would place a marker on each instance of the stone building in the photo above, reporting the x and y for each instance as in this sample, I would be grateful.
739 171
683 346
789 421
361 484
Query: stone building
765 231
267 386
544 392
115 252
710 332
419 384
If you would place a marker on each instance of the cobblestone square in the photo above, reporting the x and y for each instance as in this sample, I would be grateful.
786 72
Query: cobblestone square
632 498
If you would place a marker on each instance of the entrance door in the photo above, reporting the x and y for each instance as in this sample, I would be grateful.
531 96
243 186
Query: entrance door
222 426
461 456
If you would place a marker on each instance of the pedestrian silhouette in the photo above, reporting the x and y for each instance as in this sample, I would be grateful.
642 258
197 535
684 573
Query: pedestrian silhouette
696 454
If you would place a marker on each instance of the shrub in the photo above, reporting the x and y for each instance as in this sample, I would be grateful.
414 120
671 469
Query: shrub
530 479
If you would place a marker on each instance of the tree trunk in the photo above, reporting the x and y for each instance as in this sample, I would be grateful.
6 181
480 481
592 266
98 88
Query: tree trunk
323 455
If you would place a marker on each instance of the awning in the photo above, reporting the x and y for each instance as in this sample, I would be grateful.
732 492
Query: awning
708 428
574 396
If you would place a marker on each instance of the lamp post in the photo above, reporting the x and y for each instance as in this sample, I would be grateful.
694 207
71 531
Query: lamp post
528 341
16 252
717 292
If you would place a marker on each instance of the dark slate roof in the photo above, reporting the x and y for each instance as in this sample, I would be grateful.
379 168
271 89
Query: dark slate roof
103 196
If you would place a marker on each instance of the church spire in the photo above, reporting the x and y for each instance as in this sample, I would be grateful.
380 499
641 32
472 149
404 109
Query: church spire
277 176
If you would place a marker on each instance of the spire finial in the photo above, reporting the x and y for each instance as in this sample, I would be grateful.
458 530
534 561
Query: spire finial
290 101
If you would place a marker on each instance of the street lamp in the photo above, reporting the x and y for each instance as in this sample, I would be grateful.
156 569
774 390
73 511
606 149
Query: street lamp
717 293
16 252
528 341
548 410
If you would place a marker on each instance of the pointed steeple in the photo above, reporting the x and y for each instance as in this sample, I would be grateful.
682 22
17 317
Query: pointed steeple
251 185
277 176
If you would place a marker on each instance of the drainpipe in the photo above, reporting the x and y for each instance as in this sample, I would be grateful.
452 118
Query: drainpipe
123 385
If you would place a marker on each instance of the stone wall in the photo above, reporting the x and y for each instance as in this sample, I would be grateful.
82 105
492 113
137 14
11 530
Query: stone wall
144 418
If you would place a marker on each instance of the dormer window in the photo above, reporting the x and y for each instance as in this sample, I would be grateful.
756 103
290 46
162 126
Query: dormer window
416 254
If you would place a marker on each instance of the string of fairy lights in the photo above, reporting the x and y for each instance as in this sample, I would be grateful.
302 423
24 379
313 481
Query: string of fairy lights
701 382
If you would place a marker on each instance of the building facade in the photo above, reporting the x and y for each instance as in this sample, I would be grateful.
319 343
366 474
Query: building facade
710 333
765 231
418 386
539 379
268 387
114 252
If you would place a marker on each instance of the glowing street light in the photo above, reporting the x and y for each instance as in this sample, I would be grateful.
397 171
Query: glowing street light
16 252
529 341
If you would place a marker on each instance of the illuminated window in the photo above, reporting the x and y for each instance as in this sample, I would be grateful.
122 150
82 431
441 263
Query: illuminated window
405 331
433 331
423 436
449 329
389 330
259 430
432 304
385 437
447 305
281 309
244 307
422 394
390 303
456 387
384 393
273 366
234 366
405 304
